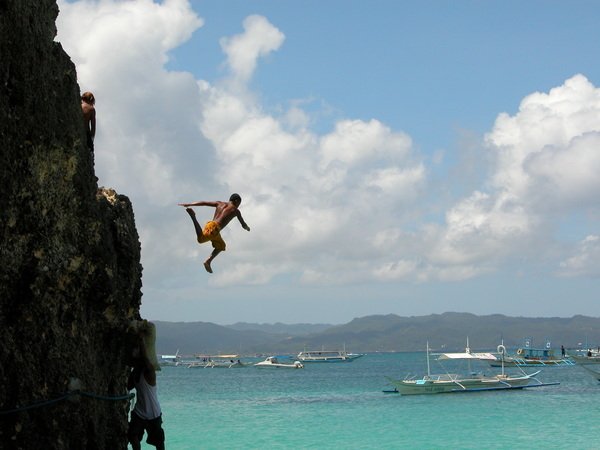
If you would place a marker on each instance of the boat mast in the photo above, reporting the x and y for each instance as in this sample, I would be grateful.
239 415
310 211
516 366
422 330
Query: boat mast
468 351
503 352
428 370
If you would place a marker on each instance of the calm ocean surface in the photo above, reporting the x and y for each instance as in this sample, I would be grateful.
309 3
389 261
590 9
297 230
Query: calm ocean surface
342 406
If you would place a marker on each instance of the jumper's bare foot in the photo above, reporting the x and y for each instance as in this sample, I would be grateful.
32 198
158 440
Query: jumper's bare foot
191 212
207 266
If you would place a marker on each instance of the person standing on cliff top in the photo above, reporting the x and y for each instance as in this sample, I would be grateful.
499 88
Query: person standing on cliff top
146 415
224 212
89 117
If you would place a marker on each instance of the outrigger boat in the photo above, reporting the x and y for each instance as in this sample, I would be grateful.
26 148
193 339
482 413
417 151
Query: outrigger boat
532 357
217 362
310 356
588 356
472 382
170 360
273 362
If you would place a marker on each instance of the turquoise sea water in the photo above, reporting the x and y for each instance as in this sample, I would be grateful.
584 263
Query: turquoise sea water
342 406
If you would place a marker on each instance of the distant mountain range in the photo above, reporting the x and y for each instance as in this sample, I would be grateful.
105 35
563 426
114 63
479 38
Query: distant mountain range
382 333
298 329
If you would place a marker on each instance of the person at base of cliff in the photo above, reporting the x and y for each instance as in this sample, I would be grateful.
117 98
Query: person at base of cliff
89 117
224 212
146 414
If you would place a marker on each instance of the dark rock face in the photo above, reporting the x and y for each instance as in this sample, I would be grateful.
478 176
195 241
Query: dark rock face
70 273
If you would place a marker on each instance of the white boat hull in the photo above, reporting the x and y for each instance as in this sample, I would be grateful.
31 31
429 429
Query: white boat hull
272 363
216 365
325 356
447 384
586 359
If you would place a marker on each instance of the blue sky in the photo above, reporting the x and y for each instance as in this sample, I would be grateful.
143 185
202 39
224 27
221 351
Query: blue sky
427 68
393 157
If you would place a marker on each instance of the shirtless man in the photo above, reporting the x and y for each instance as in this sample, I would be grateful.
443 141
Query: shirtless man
224 212
89 117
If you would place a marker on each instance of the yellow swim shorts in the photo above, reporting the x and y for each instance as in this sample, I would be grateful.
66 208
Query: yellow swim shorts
212 232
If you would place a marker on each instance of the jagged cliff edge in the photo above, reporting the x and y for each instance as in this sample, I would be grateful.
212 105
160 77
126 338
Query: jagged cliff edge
70 273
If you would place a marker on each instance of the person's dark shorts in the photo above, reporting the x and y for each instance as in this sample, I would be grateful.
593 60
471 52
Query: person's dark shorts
137 426
90 142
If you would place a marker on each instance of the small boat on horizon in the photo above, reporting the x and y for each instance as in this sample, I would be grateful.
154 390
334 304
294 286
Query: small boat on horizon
217 362
273 362
312 356
170 360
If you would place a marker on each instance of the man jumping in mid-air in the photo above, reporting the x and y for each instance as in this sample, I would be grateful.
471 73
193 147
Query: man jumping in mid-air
224 212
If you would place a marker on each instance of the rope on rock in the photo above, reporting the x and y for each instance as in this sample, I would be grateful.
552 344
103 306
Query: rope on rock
65 397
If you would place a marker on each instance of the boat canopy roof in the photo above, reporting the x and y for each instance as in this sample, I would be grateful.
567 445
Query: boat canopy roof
486 356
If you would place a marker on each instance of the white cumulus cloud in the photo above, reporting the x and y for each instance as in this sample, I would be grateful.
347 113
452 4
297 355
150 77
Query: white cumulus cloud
586 260
345 205
546 158
243 50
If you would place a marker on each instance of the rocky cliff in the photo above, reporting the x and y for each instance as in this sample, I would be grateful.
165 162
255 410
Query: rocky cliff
70 273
